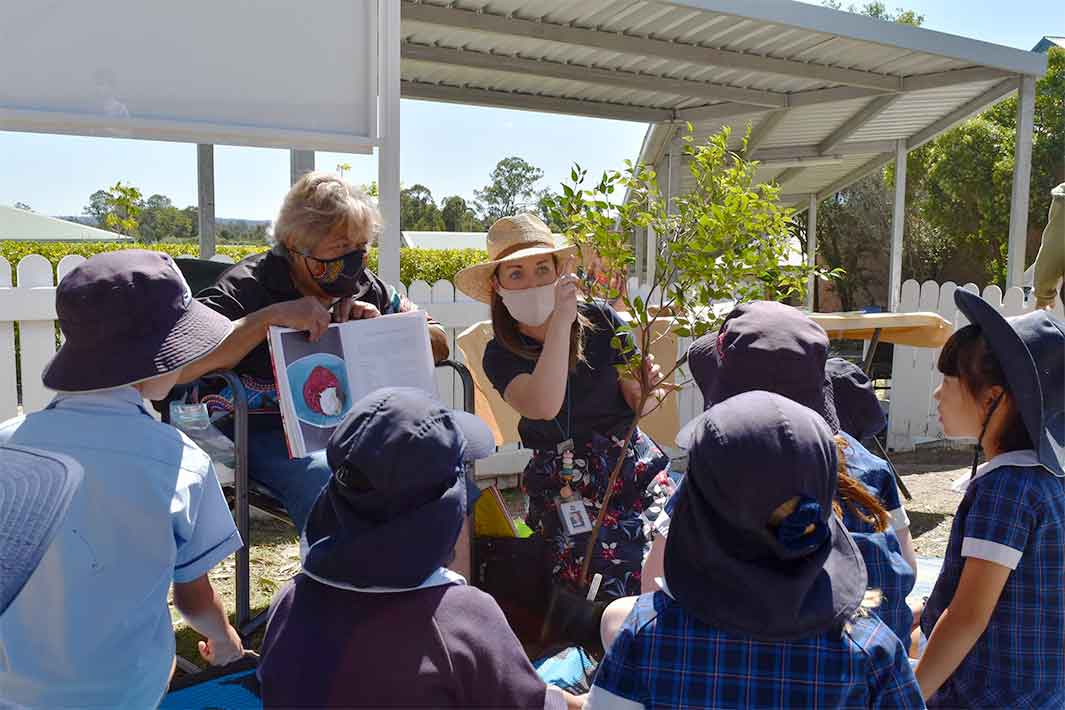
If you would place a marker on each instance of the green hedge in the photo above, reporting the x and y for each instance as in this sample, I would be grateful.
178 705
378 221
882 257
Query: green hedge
414 264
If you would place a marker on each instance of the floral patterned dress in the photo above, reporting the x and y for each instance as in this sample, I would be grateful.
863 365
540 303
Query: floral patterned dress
640 492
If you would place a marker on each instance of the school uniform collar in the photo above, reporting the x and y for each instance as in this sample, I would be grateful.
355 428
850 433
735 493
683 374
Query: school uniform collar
662 585
120 400
440 578
1024 458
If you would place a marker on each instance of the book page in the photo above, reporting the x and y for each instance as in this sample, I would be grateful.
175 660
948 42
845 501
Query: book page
388 351
319 382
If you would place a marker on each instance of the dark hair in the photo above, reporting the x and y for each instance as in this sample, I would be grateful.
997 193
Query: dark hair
968 357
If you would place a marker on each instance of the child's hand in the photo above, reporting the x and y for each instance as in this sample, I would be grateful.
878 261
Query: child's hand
219 652
917 608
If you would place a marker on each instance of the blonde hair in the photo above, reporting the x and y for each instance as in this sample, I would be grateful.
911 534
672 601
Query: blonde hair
316 204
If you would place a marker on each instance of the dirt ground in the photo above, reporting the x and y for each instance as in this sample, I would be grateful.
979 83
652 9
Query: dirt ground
927 474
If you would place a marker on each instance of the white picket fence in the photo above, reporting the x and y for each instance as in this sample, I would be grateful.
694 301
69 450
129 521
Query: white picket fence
32 305
913 417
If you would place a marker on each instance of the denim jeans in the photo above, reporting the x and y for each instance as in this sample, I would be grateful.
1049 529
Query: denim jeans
295 482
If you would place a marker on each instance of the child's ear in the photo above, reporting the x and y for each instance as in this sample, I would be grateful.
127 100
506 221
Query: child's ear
991 395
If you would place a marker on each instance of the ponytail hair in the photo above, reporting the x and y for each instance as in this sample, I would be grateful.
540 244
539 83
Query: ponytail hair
857 497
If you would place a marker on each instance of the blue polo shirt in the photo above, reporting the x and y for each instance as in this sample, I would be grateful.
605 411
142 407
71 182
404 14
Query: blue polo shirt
91 628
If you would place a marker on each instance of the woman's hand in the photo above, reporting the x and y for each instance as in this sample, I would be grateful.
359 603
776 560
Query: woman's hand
305 313
349 309
566 296
657 388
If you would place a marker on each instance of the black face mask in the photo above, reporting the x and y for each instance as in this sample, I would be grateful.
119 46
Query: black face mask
340 276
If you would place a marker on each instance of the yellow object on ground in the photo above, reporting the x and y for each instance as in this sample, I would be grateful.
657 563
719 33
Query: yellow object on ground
490 516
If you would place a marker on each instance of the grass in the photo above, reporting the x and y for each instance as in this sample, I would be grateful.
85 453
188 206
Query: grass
274 560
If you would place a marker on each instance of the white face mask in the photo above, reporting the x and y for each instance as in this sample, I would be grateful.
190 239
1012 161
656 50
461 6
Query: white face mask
531 306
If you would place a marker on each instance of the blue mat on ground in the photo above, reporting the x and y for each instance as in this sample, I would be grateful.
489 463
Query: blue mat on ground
570 669
231 687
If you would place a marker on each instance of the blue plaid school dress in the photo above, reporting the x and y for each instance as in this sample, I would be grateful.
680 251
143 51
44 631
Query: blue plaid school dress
666 658
887 568
875 474
889 572
1012 514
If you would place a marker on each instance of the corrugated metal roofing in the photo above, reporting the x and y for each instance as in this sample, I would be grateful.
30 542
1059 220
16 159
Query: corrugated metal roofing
712 62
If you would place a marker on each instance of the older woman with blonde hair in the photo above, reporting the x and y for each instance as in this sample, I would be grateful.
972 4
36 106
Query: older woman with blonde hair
315 274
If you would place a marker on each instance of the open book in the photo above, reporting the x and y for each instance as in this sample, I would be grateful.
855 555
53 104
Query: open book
317 383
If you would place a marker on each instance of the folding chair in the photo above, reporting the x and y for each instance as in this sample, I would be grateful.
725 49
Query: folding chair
244 493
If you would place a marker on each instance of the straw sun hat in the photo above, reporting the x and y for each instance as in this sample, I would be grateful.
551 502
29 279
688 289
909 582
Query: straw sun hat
509 239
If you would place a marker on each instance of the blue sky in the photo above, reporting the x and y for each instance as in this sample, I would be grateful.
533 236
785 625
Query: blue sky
450 149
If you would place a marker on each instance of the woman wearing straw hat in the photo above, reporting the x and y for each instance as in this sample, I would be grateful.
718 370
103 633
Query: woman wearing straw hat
552 360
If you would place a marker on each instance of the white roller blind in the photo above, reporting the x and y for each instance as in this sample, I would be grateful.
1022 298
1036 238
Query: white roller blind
276 73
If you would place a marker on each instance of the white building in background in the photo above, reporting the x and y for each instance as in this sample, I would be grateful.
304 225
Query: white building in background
442 240
23 225
450 240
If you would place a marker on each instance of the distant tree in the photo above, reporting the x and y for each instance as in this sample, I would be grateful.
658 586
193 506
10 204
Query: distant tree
371 189
967 174
417 211
547 209
512 189
23 206
879 11
458 216
161 221
98 206
124 206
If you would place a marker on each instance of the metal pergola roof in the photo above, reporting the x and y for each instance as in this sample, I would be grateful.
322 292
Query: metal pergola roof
831 96
828 93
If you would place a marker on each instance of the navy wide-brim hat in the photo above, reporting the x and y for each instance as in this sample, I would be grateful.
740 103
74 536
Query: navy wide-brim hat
724 562
396 502
128 316
36 489
1031 350
857 406
763 345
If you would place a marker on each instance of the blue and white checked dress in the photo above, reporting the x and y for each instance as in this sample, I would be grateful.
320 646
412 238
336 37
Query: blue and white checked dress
1013 514
666 658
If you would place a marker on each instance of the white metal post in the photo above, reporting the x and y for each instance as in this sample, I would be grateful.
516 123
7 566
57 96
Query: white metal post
811 249
898 225
1022 177
300 162
388 152
205 198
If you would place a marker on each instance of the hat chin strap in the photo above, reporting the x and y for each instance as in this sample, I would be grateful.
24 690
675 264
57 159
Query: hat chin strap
979 448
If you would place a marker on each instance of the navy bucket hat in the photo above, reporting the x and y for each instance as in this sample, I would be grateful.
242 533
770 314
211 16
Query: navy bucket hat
725 563
395 504
1031 349
36 490
128 316
763 345
857 406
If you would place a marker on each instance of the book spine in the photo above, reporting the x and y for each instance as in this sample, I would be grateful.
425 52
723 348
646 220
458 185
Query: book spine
289 421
